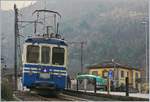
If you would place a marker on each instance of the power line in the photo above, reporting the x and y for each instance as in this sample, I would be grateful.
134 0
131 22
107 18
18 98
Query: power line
32 22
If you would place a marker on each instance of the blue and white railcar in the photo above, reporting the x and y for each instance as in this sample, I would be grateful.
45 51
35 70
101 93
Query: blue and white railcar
44 63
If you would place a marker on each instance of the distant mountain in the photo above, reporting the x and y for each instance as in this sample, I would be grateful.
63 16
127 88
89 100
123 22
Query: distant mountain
112 29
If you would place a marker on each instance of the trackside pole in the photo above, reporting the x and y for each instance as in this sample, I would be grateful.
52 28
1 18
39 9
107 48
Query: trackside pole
108 86
77 84
94 85
127 86
16 31
85 85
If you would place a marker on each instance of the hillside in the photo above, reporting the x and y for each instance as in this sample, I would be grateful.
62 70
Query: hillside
112 29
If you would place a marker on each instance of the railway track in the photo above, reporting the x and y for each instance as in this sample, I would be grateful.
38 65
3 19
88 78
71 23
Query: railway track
29 96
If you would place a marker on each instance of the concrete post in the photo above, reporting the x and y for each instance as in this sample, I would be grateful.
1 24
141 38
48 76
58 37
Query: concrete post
94 85
77 84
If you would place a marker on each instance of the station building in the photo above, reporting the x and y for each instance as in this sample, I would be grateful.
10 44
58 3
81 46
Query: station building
119 73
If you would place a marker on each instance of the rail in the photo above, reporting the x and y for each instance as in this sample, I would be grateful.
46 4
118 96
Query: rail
29 96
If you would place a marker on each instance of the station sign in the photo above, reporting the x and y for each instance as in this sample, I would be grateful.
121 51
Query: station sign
110 74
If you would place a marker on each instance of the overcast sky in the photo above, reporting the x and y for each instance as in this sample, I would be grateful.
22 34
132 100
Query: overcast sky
8 4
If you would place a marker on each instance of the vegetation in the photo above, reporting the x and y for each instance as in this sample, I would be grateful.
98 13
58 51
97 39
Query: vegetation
6 90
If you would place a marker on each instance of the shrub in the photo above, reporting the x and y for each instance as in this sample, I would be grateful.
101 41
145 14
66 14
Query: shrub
6 90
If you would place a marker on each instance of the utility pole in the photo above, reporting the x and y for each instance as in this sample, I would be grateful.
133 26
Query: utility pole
116 73
146 23
16 33
82 56
81 47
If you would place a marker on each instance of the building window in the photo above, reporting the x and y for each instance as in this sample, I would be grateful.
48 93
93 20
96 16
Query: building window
94 72
136 75
122 74
127 74
105 74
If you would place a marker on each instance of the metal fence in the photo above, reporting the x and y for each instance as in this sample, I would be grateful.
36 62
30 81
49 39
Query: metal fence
137 86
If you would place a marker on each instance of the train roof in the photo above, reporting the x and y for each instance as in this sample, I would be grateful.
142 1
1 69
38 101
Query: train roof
47 41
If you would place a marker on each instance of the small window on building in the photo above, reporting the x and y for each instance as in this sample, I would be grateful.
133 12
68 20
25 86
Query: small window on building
94 72
45 55
136 75
127 74
105 74
122 74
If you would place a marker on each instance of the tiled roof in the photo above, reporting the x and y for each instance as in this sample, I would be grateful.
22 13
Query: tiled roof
111 64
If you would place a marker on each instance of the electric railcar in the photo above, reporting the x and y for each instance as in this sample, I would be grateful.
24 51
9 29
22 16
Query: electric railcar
44 63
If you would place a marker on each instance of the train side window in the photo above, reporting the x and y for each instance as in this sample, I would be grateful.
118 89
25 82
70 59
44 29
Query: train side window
58 56
32 54
45 55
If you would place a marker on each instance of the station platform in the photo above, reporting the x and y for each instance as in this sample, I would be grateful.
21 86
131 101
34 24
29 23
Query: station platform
138 95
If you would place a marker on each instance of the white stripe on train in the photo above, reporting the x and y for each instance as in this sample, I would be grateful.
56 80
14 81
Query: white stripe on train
49 73
32 69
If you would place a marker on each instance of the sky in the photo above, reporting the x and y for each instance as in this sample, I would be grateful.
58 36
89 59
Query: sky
9 4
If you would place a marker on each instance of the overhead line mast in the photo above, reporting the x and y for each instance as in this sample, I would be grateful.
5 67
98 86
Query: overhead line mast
81 47
16 33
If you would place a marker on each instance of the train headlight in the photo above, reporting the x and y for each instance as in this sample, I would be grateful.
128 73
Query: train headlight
44 70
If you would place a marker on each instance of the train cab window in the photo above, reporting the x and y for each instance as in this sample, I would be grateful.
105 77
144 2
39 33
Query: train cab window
45 55
58 56
32 54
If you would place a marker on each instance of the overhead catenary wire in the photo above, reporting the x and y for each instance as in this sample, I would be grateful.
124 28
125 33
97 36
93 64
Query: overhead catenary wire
81 47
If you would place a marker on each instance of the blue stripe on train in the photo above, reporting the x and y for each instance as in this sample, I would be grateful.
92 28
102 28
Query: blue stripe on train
59 81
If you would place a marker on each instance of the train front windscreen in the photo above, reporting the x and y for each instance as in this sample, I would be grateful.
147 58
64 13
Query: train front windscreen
58 56
33 55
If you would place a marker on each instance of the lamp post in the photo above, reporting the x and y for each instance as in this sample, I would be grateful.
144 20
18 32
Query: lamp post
146 33
115 73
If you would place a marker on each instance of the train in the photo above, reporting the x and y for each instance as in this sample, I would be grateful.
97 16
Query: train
44 59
